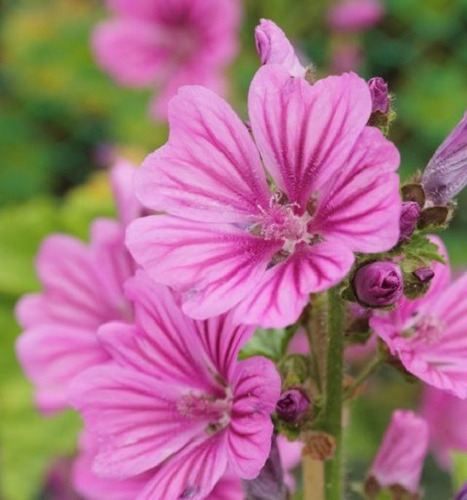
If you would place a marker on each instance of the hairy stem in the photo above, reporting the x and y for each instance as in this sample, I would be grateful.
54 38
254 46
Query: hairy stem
333 401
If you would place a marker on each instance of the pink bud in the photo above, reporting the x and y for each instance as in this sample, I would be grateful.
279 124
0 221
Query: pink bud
446 174
292 404
378 284
379 95
409 216
424 274
400 458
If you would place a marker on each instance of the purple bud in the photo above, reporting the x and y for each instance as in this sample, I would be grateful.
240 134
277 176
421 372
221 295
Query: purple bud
462 494
292 404
424 274
379 95
409 216
378 284
446 174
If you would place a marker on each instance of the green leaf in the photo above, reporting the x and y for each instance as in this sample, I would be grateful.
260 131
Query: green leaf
269 343
420 251
459 470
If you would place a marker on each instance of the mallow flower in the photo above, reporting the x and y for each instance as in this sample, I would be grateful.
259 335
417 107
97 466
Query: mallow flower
400 459
82 289
446 173
445 415
258 223
174 403
429 334
169 43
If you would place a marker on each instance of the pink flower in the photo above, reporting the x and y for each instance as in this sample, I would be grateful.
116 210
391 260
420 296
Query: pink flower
429 334
355 15
402 452
237 238
274 48
82 289
229 487
168 44
174 401
446 416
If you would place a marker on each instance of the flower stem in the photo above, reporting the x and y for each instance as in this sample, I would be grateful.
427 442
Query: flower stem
367 371
333 401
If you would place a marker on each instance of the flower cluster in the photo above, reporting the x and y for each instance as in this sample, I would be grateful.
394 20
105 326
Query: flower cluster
232 226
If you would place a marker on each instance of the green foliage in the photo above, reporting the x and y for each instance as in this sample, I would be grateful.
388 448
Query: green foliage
269 343
459 470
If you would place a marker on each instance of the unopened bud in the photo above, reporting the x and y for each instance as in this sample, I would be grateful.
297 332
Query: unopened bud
446 173
462 493
378 284
408 221
292 405
424 274
380 100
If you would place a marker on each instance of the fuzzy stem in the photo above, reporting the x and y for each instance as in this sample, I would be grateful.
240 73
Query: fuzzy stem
334 393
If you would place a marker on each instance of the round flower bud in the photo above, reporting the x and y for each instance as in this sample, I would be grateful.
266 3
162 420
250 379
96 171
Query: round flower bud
379 95
378 284
409 216
292 405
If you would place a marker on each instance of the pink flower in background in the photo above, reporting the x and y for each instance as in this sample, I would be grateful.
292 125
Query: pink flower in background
429 334
229 487
402 452
237 238
355 15
446 416
174 402
82 289
168 44
274 48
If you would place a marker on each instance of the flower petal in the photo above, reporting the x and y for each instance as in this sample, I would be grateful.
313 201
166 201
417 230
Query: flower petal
52 356
121 177
135 417
360 205
256 391
283 292
210 169
214 265
306 132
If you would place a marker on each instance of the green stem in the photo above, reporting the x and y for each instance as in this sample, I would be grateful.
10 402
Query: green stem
367 371
333 402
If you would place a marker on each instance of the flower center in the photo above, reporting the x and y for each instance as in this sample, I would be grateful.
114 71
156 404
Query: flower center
426 329
202 406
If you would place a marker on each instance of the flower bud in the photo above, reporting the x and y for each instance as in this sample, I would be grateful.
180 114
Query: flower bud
379 95
424 274
292 405
378 284
399 461
409 216
462 493
446 173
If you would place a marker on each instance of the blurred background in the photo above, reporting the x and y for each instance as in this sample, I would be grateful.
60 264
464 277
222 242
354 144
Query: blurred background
63 120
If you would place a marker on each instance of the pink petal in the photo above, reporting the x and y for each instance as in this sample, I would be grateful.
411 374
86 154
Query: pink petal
256 391
283 292
128 50
93 487
210 169
52 356
274 48
31 310
192 474
121 177
306 132
229 487
360 205
214 265
135 417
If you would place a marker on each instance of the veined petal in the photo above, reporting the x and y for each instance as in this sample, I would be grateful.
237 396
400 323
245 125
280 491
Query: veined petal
52 356
256 392
210 169
136 418
214 265
283 292
128 50
360 205
306 132
192 474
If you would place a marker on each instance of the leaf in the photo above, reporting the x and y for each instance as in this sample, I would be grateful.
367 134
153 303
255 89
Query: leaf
269 343
420 251
459 469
